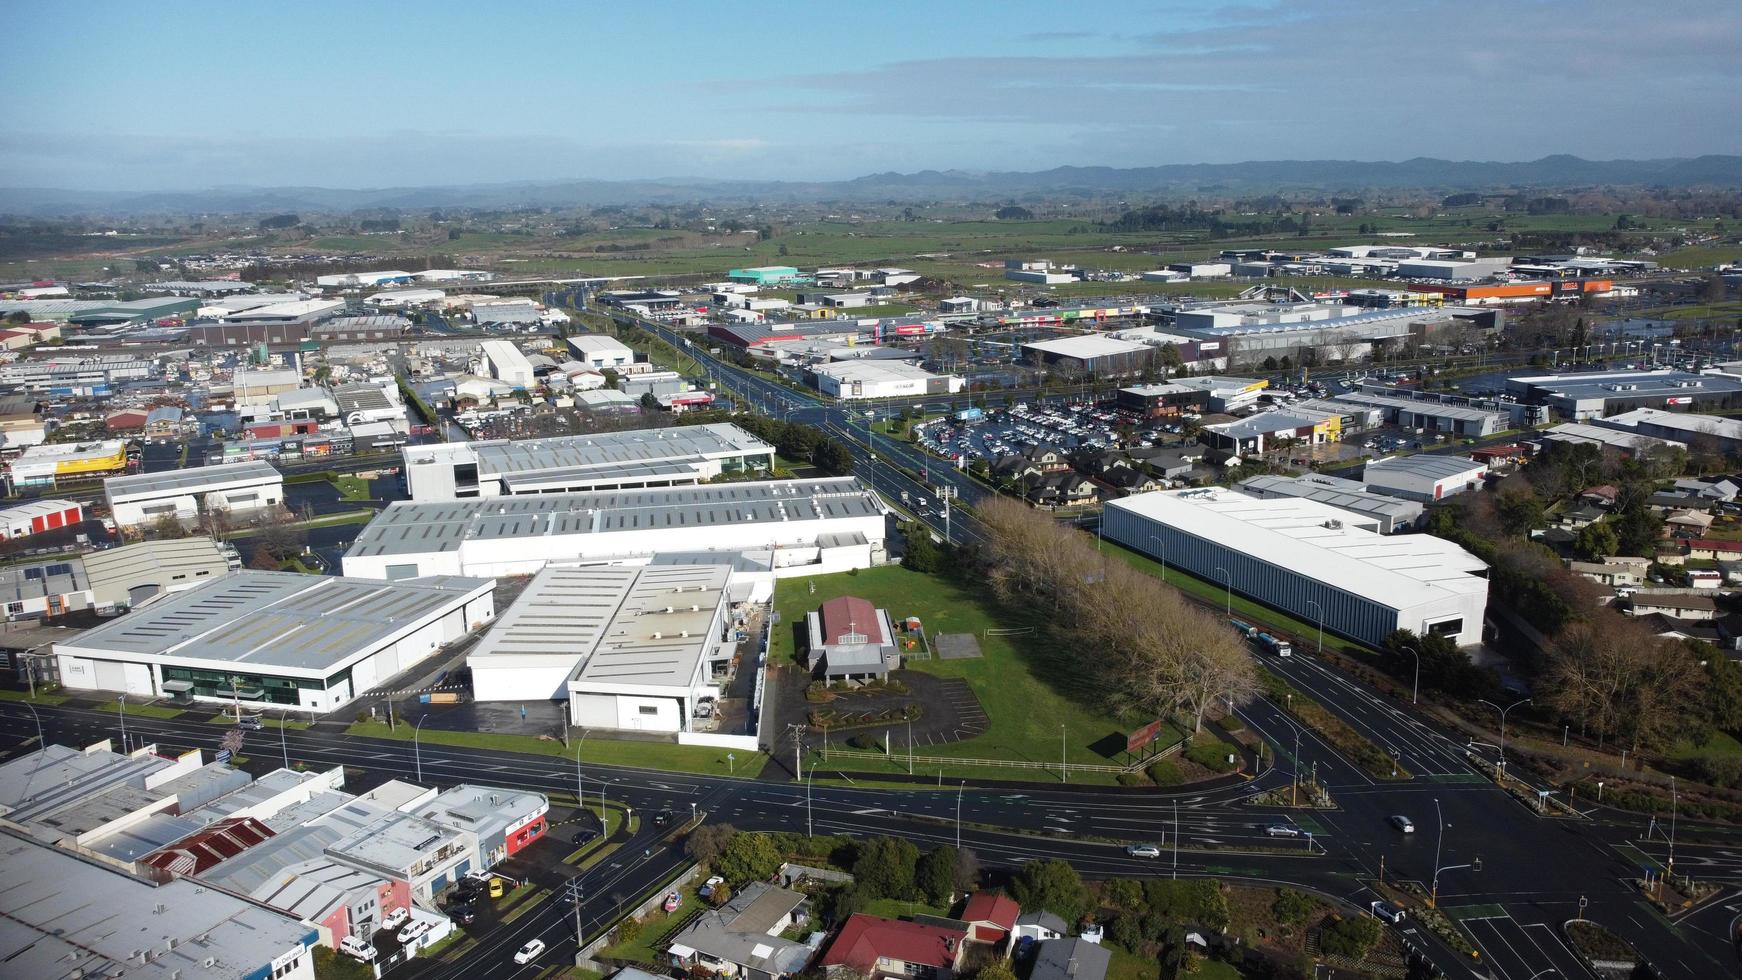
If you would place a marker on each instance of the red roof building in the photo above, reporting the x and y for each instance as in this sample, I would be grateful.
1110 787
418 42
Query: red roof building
205 849
990 916
849 616
878 947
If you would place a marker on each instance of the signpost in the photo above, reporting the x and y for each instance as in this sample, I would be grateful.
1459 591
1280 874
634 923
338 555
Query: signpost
1143 737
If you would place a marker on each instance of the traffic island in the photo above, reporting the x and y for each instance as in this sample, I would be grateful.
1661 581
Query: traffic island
1675 894
1607 955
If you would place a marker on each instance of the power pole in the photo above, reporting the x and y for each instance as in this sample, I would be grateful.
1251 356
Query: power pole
797 732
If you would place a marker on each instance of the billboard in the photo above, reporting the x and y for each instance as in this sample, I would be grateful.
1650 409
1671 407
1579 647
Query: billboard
1136 741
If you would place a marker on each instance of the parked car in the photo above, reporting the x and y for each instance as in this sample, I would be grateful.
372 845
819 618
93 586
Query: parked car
463 913
412 933
250 723
1143 851
497 887
1387 912
357 949
395 918
673 902
531 951
1403 824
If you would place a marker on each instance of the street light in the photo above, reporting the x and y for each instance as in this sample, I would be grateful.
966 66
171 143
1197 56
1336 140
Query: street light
580 792
1230 581
1315 604
1503 712
416 749
1062 754
1416 687
121 710
1161 546
40 744
963 785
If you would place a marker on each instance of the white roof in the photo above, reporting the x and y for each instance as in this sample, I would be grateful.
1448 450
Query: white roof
1425 466
868 370
598 344
198 479
35 508
1091 345
290 311
1316 540
1682 421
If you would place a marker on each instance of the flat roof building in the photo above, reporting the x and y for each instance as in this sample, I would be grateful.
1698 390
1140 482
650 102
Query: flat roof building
30 517
505 821
131 574
51 464
676 456
61 909
282 639
1609 437
1424 477
505 362
1462 421
812 525
1212 393
1390 514
881 379
236 489
1287 552
1694 430
1092 354
1596 394
599 351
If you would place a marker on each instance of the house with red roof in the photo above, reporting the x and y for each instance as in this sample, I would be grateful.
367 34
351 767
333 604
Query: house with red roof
990 916
850 639
876 947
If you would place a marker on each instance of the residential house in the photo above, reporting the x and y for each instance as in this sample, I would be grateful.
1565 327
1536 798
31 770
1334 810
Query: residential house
742 938
1711 549
1577 517
1675 605
1719 489
1688 522
1615 571
990 917
1046 458
1127 479
1603 495
1070 959
1038 926
1059 489
1667 501
876 947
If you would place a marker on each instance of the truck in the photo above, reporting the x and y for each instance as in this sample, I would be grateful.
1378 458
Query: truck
1245 629
1276 645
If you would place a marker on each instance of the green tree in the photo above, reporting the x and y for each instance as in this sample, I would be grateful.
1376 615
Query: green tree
707 843
884 867
648 402
1051 884
935 875
1723 688
1596 541
1292 907
923 554
995 970
1354 938
1520 509
749 857
611 377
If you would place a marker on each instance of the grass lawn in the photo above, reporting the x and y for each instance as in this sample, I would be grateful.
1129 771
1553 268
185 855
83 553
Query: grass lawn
1720 745
41 697
895 908
656 927
1027 686
606 751
1129 966
145 710
353 488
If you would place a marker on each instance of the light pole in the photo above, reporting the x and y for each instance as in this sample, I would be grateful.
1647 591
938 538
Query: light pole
416 749
1669 873
580 792
808 777
1230 580
1161 546
1439 836
1176 838
1315 604
283 744
121 711
40 744
1503 712
963 785
1062 754
1415 689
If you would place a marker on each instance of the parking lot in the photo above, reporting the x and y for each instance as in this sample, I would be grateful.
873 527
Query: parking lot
1005 431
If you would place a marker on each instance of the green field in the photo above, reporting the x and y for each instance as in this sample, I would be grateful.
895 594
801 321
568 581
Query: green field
1027 685
597 751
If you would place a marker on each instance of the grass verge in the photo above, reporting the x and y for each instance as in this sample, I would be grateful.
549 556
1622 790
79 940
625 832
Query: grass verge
599 750
41 697
1354 746
143 710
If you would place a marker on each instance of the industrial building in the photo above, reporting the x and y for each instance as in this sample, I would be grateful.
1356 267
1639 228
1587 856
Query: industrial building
1260 431
1595 394
1092 354
275 639
1451 418
1507 293
36 516
52 464
1608 437
505 362
238 490
62 909
677 456
1251 332
598 351
1696 431
813 526
300 311
127 576
1390 514
866 378
1425 478
632 649
768 275
1204 393
1453 268
505 313
1313 561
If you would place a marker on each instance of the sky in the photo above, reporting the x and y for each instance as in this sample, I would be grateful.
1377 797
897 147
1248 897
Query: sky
172 95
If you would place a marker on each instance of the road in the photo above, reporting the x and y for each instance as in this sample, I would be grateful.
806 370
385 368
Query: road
1535 870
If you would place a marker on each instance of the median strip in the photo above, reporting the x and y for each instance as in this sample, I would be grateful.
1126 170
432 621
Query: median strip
1356 747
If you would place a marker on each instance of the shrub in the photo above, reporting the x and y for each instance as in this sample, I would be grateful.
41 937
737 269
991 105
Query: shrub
1164 772
1354 938
628 931
1212 755
1134 779
1292 907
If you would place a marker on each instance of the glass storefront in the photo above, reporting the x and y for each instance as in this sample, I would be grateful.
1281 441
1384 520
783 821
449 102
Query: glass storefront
250 687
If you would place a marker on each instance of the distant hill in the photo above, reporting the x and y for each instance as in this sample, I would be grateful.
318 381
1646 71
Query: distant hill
1172 180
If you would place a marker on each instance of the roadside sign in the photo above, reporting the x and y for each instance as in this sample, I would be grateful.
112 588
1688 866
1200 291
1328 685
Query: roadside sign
1143 736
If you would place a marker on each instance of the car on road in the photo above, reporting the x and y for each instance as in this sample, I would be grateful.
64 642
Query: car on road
395 918
1387 912
1403 824
673 902
531 951
585 834
412 933
662 818
1143 851
357 948
1282 830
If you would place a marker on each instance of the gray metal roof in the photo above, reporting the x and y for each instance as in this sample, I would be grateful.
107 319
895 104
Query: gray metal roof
1421 407
196 480
1423 465
614 448
278 619
1343 494
421 528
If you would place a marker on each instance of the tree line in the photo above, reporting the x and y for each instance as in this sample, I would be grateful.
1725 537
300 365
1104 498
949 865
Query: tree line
1151 653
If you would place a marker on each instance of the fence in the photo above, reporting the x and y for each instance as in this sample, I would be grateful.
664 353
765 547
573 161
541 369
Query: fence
926 760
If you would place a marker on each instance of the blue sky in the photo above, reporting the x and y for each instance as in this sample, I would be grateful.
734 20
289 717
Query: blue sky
173 95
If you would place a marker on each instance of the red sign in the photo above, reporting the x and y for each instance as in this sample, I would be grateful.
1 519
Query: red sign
1681 400
908 330
1143 736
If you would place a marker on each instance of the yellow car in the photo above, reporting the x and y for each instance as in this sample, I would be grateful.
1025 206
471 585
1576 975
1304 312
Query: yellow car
496 888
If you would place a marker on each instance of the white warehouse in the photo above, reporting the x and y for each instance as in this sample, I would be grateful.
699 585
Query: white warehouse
882 379
827 525
633 649
505 362
1318 563
599 351
240 489
1423 478
276 639
678 456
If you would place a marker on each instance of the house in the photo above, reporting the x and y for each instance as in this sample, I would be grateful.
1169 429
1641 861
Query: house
1070 959
876 947
1688 522
990 917
1712 549
1615 571
1039 925
1719 489
1170 464
1675 605
1058 489
742 938
1671 628
1603 495
1666 501
1579 517
850 638
1127 479
1046 458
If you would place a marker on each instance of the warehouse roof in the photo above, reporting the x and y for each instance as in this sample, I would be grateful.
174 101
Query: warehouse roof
1442 410
281 620
299 310
199 479
1692 425
1626 384
1425 466
114 573
603 450
20 582
598 343
1087 346
35 508
1341 494
418 528
1580 432
1315 540
874 370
